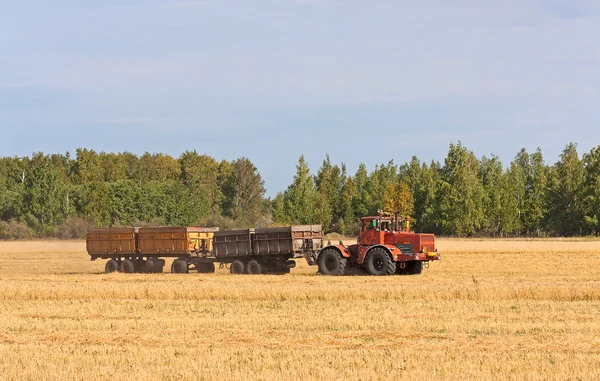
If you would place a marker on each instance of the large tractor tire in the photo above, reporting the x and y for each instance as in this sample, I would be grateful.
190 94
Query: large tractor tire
237 267
206 268
111 266
254 267
127 267
410 268
179 266
416 268
379 262
331 262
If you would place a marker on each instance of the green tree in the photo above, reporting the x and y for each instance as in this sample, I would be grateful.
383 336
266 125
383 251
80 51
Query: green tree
565 194
297 204
86 167
45 194
347 223
246 193
591 184
328 184
462 199
199 174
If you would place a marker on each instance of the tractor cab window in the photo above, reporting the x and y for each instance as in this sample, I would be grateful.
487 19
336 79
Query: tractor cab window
385 225
370 224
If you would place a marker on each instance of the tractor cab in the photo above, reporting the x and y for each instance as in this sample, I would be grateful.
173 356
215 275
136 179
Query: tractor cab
375 228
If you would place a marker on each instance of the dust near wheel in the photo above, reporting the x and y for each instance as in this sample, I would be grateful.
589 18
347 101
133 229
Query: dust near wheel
331 262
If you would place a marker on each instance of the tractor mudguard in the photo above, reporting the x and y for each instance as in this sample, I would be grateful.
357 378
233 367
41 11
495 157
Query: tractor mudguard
343 250
364 250
313 256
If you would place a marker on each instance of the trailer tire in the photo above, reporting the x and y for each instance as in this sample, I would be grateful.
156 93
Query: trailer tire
254 267
206 268
150 265
179 266
237 267
159 265
111 266
127 266
331 262
379 262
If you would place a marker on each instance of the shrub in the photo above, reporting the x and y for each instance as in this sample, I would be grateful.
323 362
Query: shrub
15 230
73 227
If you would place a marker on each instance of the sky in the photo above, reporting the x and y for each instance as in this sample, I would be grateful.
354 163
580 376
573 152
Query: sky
362 80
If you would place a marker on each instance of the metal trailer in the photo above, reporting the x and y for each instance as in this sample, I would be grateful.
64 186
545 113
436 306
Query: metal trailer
252 251
256 251
142 249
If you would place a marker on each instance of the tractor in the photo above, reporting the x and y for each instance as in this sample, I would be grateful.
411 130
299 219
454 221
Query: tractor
385 246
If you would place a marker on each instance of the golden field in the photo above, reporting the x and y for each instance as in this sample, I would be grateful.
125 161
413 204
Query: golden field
491 309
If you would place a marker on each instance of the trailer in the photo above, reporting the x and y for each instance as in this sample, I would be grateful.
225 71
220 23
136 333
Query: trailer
250 251
143 249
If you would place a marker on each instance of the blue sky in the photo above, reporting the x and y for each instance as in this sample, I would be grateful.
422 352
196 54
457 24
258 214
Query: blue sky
365 81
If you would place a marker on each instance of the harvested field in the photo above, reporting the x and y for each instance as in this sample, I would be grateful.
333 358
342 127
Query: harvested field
492 309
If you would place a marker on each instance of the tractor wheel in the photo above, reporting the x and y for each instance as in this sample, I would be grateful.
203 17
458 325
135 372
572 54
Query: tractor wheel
402 271
206 268
111 266
127 266
237 267
379 262
331 262
416 268
179 266
254 267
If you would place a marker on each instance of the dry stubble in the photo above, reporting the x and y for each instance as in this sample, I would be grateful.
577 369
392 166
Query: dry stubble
511 309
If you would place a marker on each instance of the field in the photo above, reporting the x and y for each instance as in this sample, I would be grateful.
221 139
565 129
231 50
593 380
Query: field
511 309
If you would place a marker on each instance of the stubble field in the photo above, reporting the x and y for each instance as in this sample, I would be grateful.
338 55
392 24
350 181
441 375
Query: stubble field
511 309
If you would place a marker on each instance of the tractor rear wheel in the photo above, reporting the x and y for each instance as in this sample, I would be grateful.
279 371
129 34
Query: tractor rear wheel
127 266
111 266
331 262
253 267
379 262
237 267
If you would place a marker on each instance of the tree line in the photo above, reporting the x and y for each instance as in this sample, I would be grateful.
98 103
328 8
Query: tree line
58 195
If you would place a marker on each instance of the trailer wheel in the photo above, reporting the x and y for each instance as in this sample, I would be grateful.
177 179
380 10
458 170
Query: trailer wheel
206 268
127 266
331 262
254 267
379 262
150 265
179 266
111 266
237 267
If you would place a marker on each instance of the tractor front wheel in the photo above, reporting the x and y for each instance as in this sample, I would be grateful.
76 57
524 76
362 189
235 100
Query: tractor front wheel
379 262
331 262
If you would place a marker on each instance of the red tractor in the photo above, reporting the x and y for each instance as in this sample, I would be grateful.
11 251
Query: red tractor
385 246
